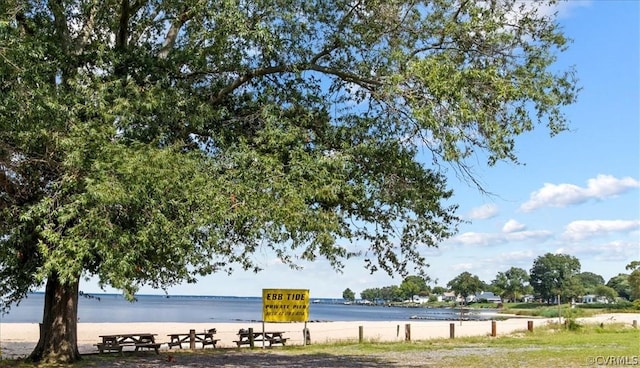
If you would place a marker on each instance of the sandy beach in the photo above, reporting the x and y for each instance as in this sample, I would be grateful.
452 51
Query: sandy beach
18 339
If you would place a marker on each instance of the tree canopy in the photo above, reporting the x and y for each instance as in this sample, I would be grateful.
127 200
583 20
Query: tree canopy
607 292
511 284
634 279
414 285
554 274
514 283
151 142
620 283
348 295
466 284
390 293
590 281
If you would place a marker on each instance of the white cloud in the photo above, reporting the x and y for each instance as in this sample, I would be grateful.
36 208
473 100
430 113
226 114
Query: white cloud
563 8
514 257
541 235
462 266
604 186
562 195
483 212
431 251
492 239
566 8
478 239
513 226
552 195
503 261
578 230
618 251
612 251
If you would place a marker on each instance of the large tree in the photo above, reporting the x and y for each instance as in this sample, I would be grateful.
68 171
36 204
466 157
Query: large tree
348 295
511 284
603 290
148 142
371 294
589 281
414 285
620 283
554 274
634 279
466 284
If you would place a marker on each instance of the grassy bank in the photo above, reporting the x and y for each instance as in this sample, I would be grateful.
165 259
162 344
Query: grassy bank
552 345
566 310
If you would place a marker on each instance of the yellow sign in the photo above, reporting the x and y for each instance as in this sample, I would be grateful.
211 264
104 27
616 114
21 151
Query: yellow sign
285 305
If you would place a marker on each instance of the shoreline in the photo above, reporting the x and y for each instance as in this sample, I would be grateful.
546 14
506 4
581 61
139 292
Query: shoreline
18 339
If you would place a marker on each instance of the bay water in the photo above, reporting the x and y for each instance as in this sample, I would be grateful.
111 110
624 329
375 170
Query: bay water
197 309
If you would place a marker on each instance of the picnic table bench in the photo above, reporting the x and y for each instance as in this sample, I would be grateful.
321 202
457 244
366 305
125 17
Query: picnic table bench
118 341
204 338
249 337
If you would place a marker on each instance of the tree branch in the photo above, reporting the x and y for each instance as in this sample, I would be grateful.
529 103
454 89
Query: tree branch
349 77
22 22
247 77
326 52
440 43
60 23
87 29
172 34
123 25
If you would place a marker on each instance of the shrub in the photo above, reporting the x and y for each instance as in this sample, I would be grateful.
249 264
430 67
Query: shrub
572 325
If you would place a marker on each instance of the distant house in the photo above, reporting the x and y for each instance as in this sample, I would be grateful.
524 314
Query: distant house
449 296
420 299
487 296
470 299
528 298
591 299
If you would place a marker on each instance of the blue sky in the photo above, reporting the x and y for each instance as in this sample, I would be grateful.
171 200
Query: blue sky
576 193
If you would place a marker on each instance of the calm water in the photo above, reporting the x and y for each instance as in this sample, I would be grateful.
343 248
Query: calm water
195 309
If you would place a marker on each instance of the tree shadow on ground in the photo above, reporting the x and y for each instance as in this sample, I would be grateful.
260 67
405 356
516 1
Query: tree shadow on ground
240 359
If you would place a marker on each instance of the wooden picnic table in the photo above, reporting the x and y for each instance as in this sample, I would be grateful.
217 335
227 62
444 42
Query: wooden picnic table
137 340
249 337
204 338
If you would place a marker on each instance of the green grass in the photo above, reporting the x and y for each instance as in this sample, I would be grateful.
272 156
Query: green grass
580 310
552 345
552 312
551 336
545 347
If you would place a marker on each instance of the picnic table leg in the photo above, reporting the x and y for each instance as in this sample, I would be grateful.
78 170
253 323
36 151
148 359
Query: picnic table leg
192 339
251 342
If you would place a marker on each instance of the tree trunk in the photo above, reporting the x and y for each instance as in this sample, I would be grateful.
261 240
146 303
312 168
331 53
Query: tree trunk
59 328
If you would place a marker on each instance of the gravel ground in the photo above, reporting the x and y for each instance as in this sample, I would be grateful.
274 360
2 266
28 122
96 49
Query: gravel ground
261 359
232 358
413 359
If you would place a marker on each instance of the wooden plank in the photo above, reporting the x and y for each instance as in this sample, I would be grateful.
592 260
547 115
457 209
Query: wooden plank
148 345
109 347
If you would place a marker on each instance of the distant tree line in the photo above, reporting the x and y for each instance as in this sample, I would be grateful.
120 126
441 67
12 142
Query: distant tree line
551 276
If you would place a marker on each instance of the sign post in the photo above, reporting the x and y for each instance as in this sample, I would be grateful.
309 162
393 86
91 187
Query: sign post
285 305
